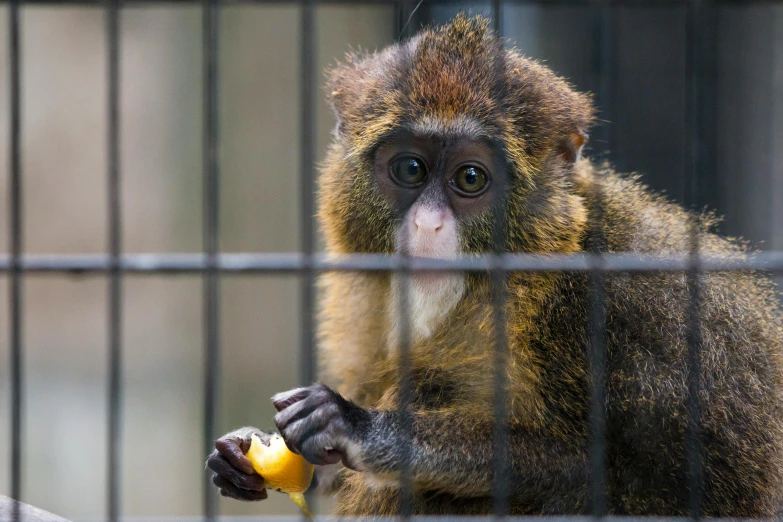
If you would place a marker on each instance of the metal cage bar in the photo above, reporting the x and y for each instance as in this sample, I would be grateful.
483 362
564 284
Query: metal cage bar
694 451
406 392
307 28
502 472
211 200
501 477
16 246
404 21
545 3
294 262
115 274
307 154
497 16
603 67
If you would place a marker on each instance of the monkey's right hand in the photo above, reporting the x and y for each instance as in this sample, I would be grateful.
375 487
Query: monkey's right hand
234 473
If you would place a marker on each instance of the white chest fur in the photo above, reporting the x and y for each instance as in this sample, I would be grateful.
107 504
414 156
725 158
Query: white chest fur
431 297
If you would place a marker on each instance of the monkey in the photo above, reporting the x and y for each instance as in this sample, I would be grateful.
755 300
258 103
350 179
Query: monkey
438 139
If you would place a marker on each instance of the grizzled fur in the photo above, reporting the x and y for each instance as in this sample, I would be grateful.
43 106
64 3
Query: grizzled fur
459 79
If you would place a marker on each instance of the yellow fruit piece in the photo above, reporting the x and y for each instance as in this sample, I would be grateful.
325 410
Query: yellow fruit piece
282 470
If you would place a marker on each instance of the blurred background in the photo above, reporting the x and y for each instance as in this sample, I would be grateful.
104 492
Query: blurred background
64 162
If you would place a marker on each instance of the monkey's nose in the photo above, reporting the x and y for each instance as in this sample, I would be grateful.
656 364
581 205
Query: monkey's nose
429 219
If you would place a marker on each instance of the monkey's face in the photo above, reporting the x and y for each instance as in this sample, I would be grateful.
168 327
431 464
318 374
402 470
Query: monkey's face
439 136
441 190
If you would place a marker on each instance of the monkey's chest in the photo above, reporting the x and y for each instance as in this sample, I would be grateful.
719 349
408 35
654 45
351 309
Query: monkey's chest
452 365
420 307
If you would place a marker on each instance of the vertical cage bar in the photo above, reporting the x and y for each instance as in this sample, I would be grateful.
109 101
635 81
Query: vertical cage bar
497 16
307 176
596 361
15 274
603 37
597 356
500 464
307 159
403 15
406 387
115 275
403 12
211 198
402 275
604 60
500 482
694 447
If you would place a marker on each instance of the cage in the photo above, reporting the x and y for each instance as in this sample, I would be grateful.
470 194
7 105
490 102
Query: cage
162 252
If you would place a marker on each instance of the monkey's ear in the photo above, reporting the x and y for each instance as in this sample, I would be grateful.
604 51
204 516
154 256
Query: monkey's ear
345 86
339 100
570 148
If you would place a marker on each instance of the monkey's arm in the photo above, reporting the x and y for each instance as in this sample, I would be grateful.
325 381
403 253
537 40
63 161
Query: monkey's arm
451 450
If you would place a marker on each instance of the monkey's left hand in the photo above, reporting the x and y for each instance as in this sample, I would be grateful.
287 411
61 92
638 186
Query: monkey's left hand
322 426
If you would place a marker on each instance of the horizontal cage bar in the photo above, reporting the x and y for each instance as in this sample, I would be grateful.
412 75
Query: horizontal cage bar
586 3
415 518
295 262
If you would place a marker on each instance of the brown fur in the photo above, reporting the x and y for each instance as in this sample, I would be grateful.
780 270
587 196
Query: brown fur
461 72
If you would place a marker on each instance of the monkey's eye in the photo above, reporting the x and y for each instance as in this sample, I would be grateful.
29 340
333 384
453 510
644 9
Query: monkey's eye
470 180
408 171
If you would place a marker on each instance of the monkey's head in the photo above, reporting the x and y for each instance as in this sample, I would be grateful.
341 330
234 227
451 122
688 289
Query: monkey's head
438 134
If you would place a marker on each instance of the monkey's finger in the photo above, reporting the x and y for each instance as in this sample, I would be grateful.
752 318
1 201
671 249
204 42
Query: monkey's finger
296 433
316 450
230 490
297 411
231 449
225 470
283 400
243 437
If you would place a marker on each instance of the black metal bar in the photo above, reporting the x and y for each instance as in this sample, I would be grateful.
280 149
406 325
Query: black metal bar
307 155
497 16
604 72
603 67
402 23
15 272
115 274
545 3
596 361
211 198
401 17
694 447
307 50
291 263
401 279
500 432
432 518
415 518
406 390
597 356
499 284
